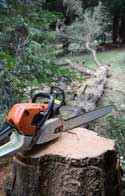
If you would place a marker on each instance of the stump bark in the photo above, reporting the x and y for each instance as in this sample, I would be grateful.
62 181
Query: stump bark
79 163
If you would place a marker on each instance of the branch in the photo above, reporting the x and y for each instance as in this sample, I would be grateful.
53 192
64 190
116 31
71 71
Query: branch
70 38
90 68
87 42
93 53
79 68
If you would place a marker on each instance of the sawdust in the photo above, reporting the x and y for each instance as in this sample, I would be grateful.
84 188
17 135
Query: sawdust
78 143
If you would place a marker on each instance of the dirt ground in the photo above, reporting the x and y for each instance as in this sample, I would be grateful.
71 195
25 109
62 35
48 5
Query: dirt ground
5 172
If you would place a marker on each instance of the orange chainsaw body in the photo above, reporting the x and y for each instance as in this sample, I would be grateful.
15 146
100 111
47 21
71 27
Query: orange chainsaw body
22 115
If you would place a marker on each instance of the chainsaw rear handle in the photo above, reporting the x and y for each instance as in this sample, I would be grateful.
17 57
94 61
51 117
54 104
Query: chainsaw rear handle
57 91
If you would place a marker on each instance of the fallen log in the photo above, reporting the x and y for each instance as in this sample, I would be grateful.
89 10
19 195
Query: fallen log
79 163
87 94
91 91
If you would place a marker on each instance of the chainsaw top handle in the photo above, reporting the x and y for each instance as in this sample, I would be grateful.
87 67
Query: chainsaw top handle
43 116
59 98
46 114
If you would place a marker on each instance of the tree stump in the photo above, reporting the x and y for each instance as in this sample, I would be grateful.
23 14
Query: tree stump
79 163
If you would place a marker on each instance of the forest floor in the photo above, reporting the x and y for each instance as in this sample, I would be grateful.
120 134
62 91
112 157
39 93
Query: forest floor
114 94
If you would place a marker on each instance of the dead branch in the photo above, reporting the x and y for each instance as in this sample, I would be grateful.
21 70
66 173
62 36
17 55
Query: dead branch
80 68
93 53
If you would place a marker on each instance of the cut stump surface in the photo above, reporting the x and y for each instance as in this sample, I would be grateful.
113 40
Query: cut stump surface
78 144
79 163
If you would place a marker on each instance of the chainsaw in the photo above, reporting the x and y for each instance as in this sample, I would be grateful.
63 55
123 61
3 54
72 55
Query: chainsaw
29 124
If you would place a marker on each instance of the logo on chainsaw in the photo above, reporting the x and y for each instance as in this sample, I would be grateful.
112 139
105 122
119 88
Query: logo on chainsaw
58 129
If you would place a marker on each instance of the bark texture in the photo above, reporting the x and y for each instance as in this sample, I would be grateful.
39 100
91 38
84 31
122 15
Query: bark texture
88 93
79 163
92 90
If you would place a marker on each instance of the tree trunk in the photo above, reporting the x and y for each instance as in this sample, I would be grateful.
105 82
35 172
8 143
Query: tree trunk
79 163
115 32
123 29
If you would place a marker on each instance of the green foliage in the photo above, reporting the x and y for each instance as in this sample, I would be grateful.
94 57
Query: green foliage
3 3
8 60
115 6
7 91
26 50
117 131
74 7
88 24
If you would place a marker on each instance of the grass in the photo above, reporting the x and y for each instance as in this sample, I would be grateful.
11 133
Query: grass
115 58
